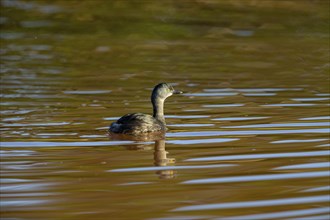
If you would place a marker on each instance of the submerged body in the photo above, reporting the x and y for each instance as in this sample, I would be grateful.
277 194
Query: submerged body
140 123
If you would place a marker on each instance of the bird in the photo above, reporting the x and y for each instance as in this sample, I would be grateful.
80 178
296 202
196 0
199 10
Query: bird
140 123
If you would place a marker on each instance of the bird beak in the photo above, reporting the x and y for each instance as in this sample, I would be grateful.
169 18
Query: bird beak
177 92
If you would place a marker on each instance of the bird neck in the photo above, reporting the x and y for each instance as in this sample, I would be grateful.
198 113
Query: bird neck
158 109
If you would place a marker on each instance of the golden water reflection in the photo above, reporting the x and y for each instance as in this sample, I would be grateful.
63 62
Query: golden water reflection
256 107
160 153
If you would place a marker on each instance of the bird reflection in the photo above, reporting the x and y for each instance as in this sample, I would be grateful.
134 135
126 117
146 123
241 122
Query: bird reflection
160 153
161 160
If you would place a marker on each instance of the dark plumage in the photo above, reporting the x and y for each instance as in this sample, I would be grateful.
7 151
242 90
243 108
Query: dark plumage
140 123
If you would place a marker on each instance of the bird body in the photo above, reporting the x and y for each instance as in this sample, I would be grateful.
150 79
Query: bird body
140 123
137 123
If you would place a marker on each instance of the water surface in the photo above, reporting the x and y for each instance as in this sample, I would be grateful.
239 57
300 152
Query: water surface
249 138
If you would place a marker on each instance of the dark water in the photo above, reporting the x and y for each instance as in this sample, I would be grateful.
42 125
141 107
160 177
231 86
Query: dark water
249 138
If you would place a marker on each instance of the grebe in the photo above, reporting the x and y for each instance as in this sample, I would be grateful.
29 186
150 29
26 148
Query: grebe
140 123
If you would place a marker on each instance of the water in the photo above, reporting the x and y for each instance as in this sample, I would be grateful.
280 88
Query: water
249 138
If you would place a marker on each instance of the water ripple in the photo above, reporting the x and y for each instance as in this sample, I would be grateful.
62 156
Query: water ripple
305 166
202 141
259 94
253 89
134 183
262 156
316 118
15 153
190 125
238 118
85 92
141 169
25 187
264 177
187 116
289 105
317 189
17 203
246 132
211 94
323 94
297 141
38 124
222 105
258 203
307 124
312 217
273 215
310 99
67 144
